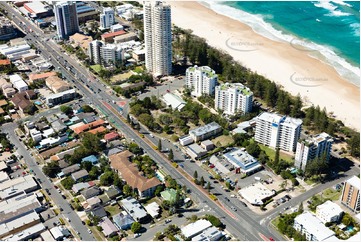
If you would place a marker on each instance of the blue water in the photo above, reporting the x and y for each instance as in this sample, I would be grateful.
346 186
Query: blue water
329 31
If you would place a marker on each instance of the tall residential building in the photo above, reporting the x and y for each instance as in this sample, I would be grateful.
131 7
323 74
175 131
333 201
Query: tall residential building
94 51
66 19
202 80
107 18
312 148
158 38
104 54
7 30
351 194
233 98
278 131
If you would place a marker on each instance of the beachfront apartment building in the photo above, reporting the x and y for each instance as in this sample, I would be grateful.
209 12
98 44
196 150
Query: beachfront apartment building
311 148
66 19
351 194
107 18
105 54
233 98
201 80
158 38
278 131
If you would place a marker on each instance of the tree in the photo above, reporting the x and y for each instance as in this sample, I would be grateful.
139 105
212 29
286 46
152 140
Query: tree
300 208
94 173
192 218
277 156
66 109
354 145
195 174
136 226
171 155
160 145
208 186
202 181
87 165
216 222
347 219
253 149
107 178
92 142
87 109
67 183
158 190
51 169
135 149
296 109
127 190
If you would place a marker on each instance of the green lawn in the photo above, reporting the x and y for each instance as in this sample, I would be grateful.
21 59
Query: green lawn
223 139
96 68
271 153
138 69
331 194
113 210
275 221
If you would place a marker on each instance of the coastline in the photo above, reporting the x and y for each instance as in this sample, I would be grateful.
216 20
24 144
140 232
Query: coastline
287 64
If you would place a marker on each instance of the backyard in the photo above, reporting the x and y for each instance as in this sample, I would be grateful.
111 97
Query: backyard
271 154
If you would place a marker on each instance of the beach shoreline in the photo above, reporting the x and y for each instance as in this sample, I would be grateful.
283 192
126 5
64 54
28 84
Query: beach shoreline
285 63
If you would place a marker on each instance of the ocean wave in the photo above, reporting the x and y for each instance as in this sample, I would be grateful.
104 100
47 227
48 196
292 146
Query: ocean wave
355 29
342 3
324 53
331 8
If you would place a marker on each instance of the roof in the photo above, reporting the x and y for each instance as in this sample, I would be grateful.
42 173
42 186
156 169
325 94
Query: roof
169 195
85 127
113 34
17 223
173 100
108 227
3 102
59 232
79 174
71 169
211 127
5 62
80 186
329 208
16 186
210 234
241 159
152 209
93 201
132 206
354 181
122 219
90 158
111 136
82 40
20 100
195 228
37 76
113 192
130 173
90 192
55 83
195 148
207 142
35 7
255 193
314 226
100 129
99 212
27 233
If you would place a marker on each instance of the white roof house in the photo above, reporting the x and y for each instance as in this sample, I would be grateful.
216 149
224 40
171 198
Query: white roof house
26 233
59 232
329 212
195 228
312 227
174 101
152 209
255 193
210 234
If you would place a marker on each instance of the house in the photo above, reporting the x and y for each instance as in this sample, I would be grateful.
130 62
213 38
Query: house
109 37
153 209
174 101
80 40
113 192
195 228
34 77
90 192
61 97
111 136
130 173
79 175
210 234
100 129
91 158
93 202
310 226
22 101
195 151
207 145
81 186
56 84
186 140
169 195
59 232
123 220
329 212
205 132
108 227
85 127
134 209
99 212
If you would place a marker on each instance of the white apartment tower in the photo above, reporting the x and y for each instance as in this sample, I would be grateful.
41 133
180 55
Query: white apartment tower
201 80
66 19
107 18
278 131
233 98
158 38
101 53
312 148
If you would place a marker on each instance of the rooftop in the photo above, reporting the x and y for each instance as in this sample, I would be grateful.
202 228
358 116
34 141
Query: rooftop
314 226
255 193
195 228
174 101
241 159
205 129
133 207
113 34
355 182
329 208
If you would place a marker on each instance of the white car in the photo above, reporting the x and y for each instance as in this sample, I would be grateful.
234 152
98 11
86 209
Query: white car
136 235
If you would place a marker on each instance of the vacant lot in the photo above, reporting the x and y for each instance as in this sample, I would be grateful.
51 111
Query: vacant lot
271 153
223 140
120 77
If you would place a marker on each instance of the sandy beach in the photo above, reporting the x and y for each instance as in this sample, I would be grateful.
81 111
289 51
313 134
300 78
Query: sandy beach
287 64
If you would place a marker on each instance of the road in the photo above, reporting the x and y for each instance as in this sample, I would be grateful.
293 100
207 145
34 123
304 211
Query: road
67 212
243 227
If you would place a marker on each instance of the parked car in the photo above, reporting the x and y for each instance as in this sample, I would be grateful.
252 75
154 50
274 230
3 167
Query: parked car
234 208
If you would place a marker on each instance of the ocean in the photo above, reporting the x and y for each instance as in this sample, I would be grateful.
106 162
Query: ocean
327 30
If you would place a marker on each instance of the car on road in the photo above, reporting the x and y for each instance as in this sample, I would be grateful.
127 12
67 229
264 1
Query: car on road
227 199
136 235
244 204
234 208
168 221
233 196
68 220
61 209
271 239
89 231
